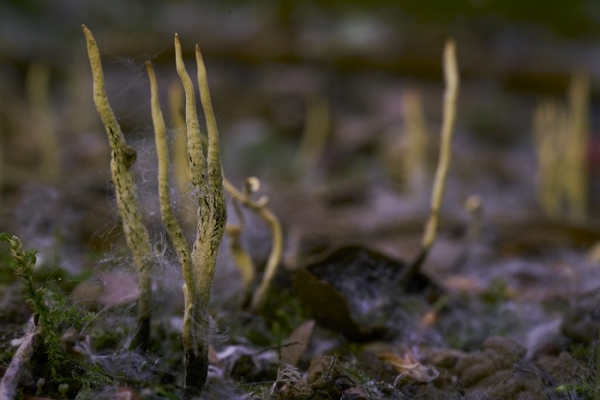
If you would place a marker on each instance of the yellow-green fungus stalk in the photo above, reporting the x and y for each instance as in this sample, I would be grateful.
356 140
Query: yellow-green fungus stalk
260 207
576 174
162 152
551 131
207 179
37 85
122 158
241 258
450 96
174 230
561 140
439 185
316 131
414 158
179 152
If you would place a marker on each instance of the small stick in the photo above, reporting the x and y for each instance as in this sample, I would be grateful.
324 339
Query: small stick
21 359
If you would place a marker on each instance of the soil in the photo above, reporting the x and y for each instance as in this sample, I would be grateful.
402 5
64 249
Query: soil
505 306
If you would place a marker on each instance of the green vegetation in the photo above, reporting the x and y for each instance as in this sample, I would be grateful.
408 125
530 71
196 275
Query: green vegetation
57 320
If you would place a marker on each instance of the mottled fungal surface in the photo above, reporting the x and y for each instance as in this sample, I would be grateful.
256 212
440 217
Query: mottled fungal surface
207 179
122 158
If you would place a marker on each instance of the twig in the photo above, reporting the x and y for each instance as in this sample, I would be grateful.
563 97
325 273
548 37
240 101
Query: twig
19 362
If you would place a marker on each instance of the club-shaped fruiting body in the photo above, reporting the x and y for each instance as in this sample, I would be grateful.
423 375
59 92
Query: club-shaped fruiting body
199 263
207 180
122 158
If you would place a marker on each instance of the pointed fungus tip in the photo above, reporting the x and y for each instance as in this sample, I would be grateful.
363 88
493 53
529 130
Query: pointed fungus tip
88 34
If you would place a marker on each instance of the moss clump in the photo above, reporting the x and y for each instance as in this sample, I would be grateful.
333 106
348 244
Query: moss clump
58 323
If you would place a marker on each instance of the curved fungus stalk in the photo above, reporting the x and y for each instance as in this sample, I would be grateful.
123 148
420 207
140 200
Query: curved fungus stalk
260 207
241 257
122 158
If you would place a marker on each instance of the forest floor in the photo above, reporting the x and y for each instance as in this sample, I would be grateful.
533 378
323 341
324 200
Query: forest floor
506 306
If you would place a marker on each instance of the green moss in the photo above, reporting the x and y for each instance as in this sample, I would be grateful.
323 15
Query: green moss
6 354
584 391
55 316
283 313
496 293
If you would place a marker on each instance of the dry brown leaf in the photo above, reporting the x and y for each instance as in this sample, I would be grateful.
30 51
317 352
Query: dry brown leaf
297 343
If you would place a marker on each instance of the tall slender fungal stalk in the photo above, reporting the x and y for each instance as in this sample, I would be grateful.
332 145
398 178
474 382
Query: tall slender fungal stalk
576 176
450 96
162 152
561 141
551 127
414 158
316 131
122 158
38 96
241 258
179 151
173 228
207 179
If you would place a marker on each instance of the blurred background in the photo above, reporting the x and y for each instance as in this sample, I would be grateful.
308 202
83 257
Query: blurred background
363 79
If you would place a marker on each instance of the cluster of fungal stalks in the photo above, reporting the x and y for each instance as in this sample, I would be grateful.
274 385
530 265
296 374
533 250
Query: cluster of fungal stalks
198 263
